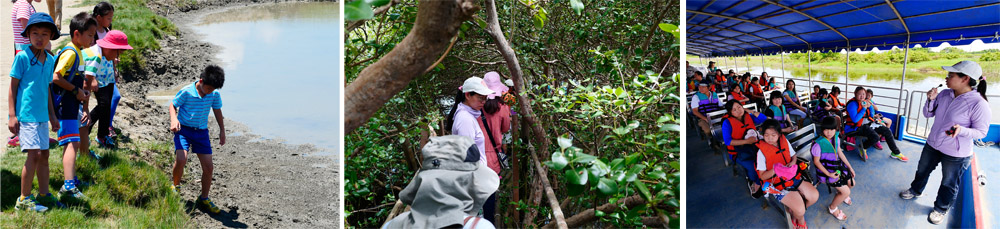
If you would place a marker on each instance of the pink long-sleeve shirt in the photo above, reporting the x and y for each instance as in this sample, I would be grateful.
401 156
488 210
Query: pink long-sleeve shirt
968 110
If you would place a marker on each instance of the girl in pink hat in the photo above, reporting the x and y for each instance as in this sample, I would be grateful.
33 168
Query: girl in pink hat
496 122
100 74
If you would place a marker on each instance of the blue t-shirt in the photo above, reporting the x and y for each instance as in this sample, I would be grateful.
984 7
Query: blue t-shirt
33 88
192 109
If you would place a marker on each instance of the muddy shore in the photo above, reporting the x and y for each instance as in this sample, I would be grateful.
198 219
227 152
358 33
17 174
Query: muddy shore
257 182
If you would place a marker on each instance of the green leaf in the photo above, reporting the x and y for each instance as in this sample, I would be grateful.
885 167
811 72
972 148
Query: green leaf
565 141
598 168
559 161
358 10
672 127
657 174
675 165
599 213
577 6
607 186
667 27
643 189
577 176
377 3
574 190
583 158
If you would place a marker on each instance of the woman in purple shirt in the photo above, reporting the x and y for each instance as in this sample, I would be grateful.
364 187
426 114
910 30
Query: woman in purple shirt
464 117
960 118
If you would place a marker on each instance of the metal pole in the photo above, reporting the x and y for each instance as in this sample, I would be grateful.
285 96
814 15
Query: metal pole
762 60
899 105
737 64
847 73
783 65
748 60
809 66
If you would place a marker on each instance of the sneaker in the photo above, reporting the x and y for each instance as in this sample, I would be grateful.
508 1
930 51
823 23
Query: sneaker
69 188
878 145
850 140
13 141
175 188
936 217
108 142
28 203
899 156
907 194
111 131
50 200
94 155
207 203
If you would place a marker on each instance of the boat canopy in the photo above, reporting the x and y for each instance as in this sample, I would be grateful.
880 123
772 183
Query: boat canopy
754 27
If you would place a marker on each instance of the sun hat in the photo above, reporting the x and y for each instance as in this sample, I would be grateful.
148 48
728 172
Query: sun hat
451 184
475 84
115 39
492 80
41 19
967 67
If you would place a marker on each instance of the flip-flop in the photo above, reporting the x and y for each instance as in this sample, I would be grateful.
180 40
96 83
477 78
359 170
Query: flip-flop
840 216
804 225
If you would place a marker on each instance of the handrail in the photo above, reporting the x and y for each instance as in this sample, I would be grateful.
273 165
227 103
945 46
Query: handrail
915 119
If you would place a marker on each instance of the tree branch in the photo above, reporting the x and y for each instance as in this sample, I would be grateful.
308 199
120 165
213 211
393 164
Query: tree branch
380 10
436 23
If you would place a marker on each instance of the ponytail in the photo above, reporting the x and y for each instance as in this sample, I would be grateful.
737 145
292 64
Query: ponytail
982 88
459 98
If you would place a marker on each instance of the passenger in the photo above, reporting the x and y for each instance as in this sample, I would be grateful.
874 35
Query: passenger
777 112
792 101
739 135
832 167
782 173
859 123
703 102
735 93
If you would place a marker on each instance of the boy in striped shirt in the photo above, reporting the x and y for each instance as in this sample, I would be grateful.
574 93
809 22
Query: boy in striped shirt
189 122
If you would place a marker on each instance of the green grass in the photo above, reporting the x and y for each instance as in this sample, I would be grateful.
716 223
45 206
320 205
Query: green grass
142 26
129 189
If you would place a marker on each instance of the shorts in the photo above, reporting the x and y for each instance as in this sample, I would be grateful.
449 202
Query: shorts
34 135
69 131
193 139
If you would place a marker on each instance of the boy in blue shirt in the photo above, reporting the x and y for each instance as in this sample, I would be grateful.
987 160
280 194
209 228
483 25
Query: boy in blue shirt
68 95
189 122
30 108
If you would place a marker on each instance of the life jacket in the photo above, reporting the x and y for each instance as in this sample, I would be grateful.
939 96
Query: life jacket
835 102
775 155
827 147
720 78
740 128
736 96
707 103
861 111
792 98
870 113
756 89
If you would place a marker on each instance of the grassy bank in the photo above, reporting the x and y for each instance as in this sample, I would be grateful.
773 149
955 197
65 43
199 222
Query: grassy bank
129 188
142 25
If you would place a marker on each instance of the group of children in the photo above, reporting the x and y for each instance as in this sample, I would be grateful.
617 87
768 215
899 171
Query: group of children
56 89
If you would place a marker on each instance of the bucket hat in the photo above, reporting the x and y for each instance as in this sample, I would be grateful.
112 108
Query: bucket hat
41 19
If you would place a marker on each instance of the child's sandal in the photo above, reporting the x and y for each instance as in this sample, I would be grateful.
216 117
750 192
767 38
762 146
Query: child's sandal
848 201
837 213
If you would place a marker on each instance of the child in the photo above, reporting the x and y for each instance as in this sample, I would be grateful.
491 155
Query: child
100 72
30 107
104 13
69 94
19 15
782 173
832 167
189 122
778 112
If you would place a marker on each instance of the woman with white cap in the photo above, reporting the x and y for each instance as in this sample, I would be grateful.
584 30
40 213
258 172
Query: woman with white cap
464 118
960 118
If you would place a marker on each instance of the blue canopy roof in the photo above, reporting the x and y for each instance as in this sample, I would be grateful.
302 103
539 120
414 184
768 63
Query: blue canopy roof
751 27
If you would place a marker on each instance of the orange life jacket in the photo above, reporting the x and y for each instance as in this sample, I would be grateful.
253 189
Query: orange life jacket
756 89
835 102
736 96
850 120
740 128
775 155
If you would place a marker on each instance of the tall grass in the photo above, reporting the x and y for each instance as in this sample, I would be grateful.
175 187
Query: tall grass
125 191
143 27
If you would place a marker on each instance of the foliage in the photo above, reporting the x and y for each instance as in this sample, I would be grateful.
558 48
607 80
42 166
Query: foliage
143 27
619 52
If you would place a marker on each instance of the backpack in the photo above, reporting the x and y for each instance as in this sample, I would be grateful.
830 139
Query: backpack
58 92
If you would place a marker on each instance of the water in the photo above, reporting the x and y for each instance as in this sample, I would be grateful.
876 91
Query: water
282 69
916 80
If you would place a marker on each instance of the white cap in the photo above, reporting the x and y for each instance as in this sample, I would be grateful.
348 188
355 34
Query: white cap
967 67
476 84
509 82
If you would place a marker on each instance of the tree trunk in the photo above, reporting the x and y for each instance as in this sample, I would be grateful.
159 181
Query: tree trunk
437 22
